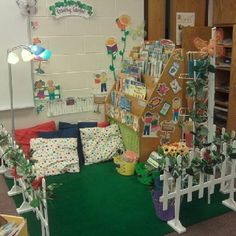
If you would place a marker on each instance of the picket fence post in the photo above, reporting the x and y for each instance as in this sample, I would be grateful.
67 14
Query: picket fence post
230 202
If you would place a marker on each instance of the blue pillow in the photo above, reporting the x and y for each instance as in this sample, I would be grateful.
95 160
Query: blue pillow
80 147
68 130
49 135
65 125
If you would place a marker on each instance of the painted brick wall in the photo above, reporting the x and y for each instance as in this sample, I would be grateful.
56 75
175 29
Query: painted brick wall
78 51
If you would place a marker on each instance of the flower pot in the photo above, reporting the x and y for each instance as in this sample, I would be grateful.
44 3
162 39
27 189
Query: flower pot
166 215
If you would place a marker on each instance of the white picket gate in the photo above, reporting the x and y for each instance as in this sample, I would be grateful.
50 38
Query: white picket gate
20 187
224 175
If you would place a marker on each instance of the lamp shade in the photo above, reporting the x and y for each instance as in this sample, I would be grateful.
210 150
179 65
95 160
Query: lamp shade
26 55
37 50
12 58
40 53
45 55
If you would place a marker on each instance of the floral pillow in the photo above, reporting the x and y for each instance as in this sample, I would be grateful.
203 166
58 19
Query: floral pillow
100 144
55 156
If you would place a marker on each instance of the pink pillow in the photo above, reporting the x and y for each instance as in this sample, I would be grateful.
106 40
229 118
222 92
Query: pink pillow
23 136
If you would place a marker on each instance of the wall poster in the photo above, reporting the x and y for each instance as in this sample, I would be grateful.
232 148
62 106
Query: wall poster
183 19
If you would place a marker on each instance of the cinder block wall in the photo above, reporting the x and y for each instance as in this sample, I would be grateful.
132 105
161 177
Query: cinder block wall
78 47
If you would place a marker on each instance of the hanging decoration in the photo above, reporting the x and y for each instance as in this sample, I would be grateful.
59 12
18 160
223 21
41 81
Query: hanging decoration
123 22
27 7
71 8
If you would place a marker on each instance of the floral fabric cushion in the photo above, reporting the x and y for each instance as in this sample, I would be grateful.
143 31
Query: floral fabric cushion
100 144
55 156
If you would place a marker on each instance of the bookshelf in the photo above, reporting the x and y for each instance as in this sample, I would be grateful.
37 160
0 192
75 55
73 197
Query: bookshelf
159 127
225 81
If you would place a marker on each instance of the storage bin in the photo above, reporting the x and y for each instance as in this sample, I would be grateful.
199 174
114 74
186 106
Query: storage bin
18 220
126 163
169 214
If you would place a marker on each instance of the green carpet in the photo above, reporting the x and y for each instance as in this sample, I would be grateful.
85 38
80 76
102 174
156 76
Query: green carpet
98 201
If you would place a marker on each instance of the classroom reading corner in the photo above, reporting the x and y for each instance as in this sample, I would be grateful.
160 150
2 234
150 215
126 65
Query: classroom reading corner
117 117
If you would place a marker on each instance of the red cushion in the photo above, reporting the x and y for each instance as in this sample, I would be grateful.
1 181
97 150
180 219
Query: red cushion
103 124
23 136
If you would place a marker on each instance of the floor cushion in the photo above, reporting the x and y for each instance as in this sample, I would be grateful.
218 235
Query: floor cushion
23 136
82 125
55 156
101 144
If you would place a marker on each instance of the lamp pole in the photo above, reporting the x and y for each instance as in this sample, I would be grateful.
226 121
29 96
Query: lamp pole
11 100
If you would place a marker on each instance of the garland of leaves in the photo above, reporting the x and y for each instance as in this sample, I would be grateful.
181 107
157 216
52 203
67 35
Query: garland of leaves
23 168
196 89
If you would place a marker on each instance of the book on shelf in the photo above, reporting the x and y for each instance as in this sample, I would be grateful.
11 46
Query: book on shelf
11 229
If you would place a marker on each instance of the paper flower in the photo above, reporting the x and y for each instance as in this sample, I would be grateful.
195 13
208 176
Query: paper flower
37 183
14 173
123 22
111 44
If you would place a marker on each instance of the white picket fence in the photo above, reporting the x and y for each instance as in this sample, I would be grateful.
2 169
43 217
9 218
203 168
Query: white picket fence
20 187
224 174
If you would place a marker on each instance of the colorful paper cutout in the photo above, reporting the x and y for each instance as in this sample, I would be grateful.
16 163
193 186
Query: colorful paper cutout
71 8
151 125
34 25
167 126
175 86
164 110
162 89
101 79
123 22
46 91
154 103
36 41
111 45
174 69
176 105
178 54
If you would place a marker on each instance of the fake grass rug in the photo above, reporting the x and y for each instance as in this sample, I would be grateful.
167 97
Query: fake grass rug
99 201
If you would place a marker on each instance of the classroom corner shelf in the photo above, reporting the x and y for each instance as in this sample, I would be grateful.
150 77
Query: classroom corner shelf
225 80
140 107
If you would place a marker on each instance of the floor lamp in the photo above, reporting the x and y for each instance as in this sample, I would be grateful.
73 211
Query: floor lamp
28 53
